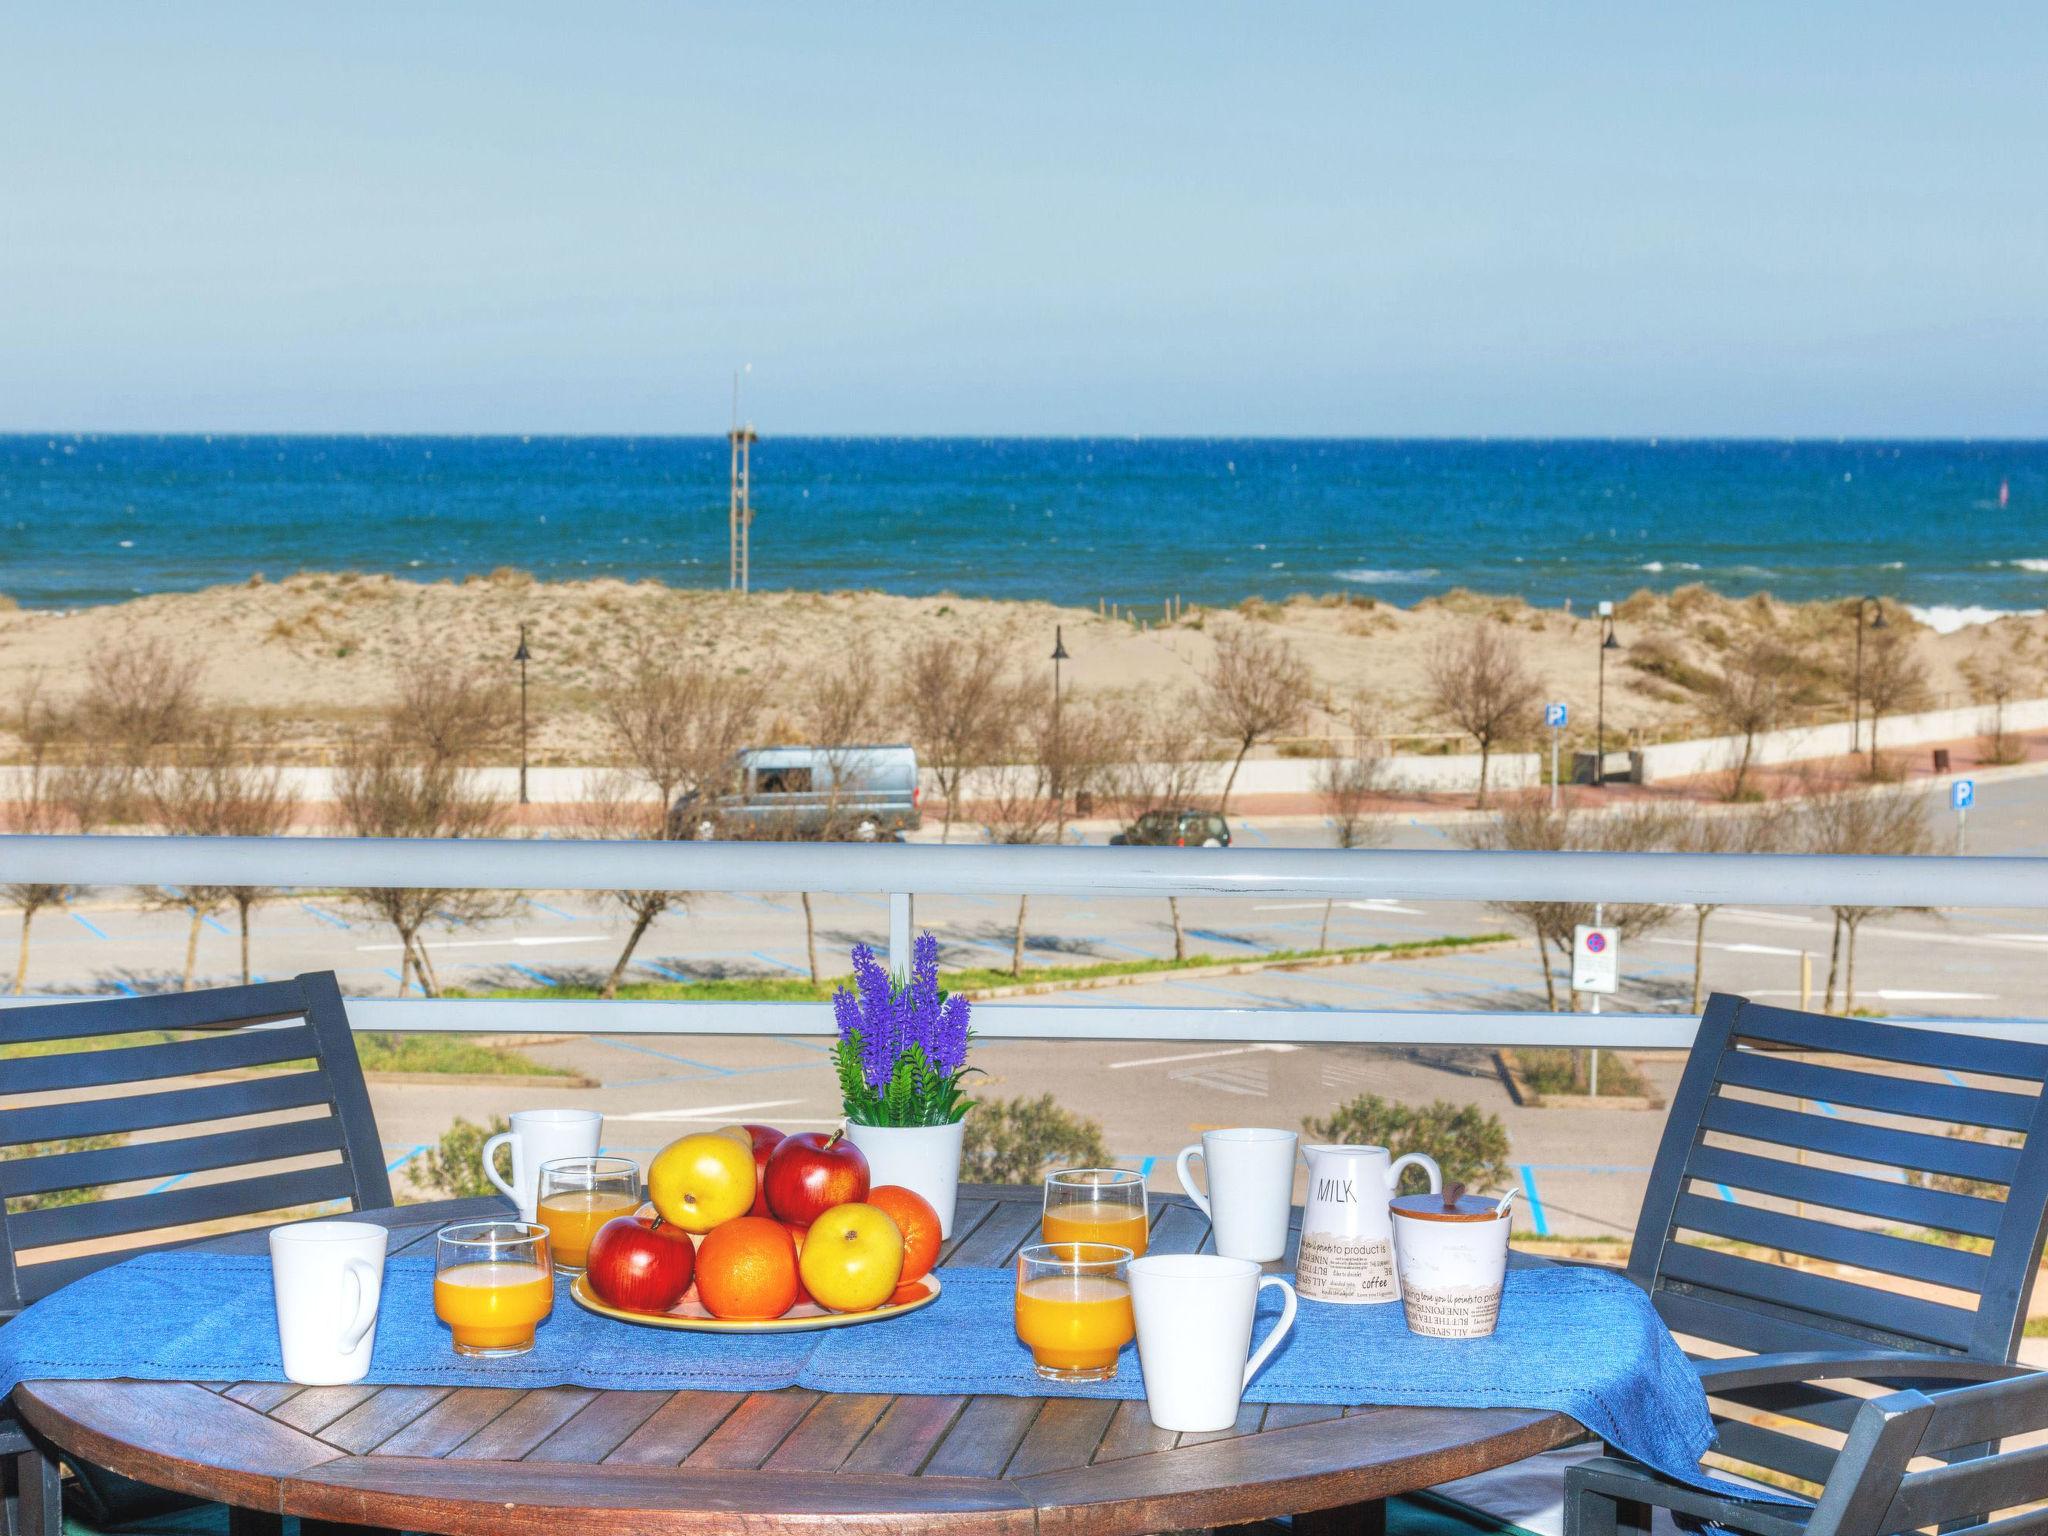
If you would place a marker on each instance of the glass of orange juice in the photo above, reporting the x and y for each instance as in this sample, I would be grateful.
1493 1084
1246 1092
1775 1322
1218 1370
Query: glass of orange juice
1074 1308
1096 1205
577 1196
492 1285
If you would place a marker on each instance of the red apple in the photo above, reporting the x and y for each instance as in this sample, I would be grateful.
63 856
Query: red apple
766 1139
641 1263
810 1172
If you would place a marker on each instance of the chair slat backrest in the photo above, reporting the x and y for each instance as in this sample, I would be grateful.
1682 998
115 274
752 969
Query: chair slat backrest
1874 1160
114 1146
1877 1490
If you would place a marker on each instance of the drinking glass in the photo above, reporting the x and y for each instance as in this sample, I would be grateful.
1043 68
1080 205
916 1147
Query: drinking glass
577 1196
1096 1205
1074 1308
492 1285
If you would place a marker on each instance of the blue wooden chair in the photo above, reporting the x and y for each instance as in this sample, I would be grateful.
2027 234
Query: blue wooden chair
1875 1487
1781 1154
315 1118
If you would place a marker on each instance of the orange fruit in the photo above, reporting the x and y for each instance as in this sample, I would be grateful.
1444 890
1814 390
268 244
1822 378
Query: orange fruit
919 1224
746 1268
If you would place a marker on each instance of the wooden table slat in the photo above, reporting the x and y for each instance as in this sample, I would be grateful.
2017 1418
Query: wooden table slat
751 1431
1179 1229
904 1438
1249 1417
828 1433
376 1420
263 1396
449 1422
317 1407
524 1425
1065 1434
982 1438
1131 1432
600 1426
968 1213
675 1429
995 1242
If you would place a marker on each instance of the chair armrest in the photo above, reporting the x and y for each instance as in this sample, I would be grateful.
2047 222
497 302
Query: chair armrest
1617 1478
1828 1364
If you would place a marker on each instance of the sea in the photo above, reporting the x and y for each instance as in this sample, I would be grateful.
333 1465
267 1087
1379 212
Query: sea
1958 531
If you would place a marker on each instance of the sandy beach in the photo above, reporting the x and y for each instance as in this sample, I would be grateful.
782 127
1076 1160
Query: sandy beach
314 653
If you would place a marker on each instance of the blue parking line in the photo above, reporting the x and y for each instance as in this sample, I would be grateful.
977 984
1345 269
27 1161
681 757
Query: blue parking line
1226 938
89 926
1727 1194
1134 949
808 1045
326 917
541 906
216 926
176 1178
1245 826
1828 1109
526 970
399 1162
779 906
648 1050
125 990
1145 1167
1953 1078
397 978
662 970
768 959
1535 1202
1436 832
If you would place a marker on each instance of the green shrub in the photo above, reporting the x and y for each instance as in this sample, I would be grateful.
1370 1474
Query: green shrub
1470 1145
57 1197
1010 1141
1560 1071
454 1169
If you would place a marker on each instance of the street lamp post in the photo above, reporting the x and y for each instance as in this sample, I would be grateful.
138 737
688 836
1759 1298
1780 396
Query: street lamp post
522 656
1856 692
1607 643
1059 754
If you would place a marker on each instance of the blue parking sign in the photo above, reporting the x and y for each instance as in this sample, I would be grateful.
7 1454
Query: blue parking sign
1555 715
1962 794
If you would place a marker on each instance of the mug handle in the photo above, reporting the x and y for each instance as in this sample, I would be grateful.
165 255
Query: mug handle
1180 1166
1421 1160
363 1310
491 1163
1265 1350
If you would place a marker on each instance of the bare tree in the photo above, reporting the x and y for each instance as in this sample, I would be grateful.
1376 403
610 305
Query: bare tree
446 713
37 808
1530 825
1997 680
844 706
679 728
1256 687
1747 697
140 697
213 789
1478 683
1894 681
953 694
386 787
1860 821
1350 784
1158 767
1764 830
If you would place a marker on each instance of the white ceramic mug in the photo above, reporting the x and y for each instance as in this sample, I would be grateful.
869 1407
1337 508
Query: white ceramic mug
1250 1171
328 1277
1195 1314
1453 1264
540 1136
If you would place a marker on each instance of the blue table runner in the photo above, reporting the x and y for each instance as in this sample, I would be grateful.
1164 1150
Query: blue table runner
1579 1341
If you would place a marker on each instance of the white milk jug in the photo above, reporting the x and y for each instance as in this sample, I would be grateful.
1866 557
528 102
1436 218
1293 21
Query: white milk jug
1347 1237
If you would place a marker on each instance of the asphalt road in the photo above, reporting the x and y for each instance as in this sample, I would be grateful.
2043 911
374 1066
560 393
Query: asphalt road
1580 1168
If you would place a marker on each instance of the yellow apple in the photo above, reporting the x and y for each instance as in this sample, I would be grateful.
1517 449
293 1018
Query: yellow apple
701 1180
852 1257
738 1133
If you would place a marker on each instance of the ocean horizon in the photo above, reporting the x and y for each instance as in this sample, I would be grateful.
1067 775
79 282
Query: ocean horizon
1956 530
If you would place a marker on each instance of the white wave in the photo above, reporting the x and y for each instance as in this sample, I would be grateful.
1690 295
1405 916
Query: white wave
1945 619
2039 567
1365 576
1656 566
1893 565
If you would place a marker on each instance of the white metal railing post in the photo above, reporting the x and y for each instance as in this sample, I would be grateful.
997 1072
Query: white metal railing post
900 925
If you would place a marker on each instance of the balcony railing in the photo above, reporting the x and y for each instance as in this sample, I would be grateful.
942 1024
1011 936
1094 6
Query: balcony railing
903 872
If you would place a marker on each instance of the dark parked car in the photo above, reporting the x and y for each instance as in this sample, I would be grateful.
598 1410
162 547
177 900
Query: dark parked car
1176 829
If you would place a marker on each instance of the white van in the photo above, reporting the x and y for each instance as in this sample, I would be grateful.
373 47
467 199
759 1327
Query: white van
864 793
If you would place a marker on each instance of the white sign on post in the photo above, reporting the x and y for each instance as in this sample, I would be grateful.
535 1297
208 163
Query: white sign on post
1962 794
1596 959
1555 716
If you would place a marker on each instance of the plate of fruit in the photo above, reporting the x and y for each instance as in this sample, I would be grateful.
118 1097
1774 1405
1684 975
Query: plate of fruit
747 1230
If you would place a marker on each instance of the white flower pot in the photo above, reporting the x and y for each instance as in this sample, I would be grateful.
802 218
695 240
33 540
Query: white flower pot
921 1158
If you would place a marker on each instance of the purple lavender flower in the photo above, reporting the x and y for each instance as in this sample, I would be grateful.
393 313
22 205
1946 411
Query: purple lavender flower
948 1049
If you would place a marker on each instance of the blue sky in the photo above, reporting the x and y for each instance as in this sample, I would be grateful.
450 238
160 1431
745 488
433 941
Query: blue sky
1347 219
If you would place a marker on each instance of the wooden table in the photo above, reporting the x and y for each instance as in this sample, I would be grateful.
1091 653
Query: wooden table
475 1460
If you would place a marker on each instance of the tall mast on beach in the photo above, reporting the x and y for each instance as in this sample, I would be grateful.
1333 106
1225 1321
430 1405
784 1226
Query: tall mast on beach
740 502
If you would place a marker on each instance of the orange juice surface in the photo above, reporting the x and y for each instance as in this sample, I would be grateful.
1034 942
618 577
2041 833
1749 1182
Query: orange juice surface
1075 1322
1093 1221
573 1216
494 1306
